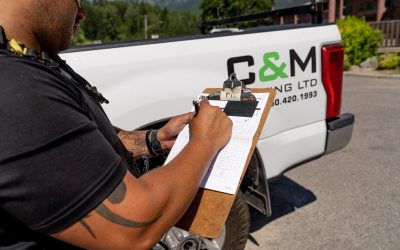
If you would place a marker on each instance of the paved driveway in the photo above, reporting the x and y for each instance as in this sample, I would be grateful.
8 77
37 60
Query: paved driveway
351 198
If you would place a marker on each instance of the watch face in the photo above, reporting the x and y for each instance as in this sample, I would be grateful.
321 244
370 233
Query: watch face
156 146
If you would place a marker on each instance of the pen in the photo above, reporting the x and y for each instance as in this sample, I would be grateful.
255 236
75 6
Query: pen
196 104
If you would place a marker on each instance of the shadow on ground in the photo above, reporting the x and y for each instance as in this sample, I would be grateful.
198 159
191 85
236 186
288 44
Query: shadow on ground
286 197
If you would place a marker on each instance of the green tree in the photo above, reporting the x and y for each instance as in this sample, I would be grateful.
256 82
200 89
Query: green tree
133 21
108 21
214 9
102 22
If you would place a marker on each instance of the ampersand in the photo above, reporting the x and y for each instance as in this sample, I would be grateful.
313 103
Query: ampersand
268 64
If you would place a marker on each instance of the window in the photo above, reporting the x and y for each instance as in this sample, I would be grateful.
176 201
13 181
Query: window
112 21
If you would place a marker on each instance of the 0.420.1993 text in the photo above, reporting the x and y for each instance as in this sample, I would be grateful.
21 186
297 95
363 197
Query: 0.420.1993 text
295 98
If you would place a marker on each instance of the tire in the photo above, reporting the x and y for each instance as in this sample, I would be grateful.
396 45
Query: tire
233 237
237 225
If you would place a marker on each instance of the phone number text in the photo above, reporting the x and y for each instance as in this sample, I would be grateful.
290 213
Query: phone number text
295 98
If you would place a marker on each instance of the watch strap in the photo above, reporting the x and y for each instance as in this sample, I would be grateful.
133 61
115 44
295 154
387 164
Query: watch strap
153 144
148 143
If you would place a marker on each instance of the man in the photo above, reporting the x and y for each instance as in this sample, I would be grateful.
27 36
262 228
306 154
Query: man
66 177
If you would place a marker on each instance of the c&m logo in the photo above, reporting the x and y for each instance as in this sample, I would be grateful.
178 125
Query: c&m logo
273 67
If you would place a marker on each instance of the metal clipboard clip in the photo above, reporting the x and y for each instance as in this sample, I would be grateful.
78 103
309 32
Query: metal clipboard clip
233 90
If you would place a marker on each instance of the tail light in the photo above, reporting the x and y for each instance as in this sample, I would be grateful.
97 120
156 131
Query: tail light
332 77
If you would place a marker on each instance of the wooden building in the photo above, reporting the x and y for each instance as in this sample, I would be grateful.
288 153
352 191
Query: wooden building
372 10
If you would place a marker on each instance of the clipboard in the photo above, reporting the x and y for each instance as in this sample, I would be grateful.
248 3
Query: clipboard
207 214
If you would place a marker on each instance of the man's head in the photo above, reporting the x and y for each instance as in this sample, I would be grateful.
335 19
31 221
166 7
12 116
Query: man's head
45 25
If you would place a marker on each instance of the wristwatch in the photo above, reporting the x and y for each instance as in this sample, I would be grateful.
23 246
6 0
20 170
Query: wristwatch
152 142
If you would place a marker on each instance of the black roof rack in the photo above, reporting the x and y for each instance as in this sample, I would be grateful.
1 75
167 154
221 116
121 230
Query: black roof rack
315 10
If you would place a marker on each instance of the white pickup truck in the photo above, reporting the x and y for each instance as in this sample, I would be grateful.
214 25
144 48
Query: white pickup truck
147 82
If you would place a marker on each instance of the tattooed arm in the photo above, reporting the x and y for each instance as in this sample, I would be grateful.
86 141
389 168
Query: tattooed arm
140 211
135 141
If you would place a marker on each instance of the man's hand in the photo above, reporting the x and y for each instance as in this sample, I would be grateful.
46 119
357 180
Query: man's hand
211 126
167 134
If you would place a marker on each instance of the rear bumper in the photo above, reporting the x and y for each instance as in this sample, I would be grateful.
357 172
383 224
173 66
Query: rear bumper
339 132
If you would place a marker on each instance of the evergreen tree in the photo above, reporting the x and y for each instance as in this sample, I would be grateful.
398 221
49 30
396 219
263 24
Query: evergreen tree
108 21
219 9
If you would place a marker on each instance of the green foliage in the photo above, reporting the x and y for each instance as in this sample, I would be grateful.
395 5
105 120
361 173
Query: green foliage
359 39
215 9
389 61
80 38
346 64
108 21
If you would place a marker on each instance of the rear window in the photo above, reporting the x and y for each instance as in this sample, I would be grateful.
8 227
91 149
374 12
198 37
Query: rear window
115 21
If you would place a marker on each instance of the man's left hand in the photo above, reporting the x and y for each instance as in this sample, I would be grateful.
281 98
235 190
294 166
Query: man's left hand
167 134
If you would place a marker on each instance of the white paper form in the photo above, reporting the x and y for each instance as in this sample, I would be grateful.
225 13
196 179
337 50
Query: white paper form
225 171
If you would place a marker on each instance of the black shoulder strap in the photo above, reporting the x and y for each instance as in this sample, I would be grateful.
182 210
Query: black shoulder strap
91 90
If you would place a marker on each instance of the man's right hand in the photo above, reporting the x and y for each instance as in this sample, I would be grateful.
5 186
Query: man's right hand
211 126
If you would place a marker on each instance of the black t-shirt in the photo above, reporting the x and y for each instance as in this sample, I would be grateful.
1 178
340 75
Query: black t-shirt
60 157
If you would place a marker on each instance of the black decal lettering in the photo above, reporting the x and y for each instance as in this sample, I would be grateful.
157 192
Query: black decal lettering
242 59
288 87
295 59
313 82
279 88
300 85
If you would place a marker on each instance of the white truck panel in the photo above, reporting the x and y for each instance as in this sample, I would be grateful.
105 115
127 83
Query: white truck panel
293 146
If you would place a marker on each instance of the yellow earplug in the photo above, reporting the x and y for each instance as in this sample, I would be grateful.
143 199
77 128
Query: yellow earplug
17 48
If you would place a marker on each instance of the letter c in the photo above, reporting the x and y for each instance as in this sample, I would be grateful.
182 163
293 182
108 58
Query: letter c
241 59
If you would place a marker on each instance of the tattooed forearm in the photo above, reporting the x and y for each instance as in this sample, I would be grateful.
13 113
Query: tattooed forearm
134 141
117 197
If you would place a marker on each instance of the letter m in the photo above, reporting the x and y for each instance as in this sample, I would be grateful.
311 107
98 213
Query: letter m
294 58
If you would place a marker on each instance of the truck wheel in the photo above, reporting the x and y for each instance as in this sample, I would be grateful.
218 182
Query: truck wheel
233 236
237 225
236 230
